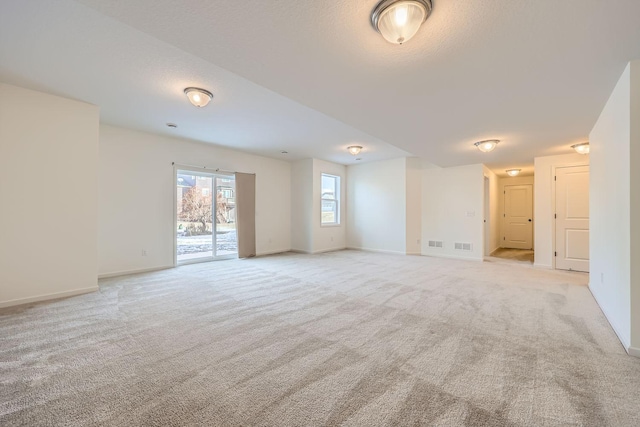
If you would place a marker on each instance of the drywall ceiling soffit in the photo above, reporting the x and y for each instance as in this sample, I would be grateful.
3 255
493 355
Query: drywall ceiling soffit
534 74
71 50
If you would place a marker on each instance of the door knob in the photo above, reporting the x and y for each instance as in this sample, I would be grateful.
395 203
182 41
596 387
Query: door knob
529 219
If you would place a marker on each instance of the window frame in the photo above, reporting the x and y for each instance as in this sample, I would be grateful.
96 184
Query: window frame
335 200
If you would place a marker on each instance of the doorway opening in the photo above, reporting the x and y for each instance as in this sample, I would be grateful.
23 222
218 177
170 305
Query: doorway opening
516 227
205 216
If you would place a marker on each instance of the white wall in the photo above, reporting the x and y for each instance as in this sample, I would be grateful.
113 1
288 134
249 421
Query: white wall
136 197
513 180
452 210
494 210
610 210
544 204
302 205
377 206
635 208
48 162
414 206
328 238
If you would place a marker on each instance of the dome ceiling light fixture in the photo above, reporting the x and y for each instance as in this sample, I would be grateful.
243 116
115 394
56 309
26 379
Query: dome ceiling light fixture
487 145
582 148
354 150
513 172
198 97
399 20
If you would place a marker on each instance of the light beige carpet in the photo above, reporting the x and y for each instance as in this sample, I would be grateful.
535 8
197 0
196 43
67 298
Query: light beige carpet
514 254
345 338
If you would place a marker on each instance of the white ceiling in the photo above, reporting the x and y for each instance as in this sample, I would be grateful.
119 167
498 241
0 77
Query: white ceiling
71 50
534 74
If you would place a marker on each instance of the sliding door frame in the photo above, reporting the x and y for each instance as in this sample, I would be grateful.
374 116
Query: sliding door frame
214 211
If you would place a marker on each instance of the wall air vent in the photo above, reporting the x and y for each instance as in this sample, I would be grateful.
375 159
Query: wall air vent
463 246
435 244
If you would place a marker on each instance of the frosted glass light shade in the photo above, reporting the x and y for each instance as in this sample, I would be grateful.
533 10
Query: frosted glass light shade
487 145
354 149
198 97
513 172
581 148
398 21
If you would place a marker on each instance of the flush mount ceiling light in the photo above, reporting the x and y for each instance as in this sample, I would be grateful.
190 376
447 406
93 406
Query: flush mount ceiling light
399 20
354 149
582 148
487 145
513 172
198 97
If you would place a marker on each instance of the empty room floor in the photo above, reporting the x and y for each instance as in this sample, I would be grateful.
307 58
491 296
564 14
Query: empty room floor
343 338
514 254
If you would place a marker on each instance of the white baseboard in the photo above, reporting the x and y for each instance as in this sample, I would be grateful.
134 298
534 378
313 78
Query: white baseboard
321 251
543 266
46 297
277 251
128 272
491 252
458 257
381 251
633 351
614 326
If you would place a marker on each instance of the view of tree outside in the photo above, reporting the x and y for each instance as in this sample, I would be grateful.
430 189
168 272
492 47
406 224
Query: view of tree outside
195 211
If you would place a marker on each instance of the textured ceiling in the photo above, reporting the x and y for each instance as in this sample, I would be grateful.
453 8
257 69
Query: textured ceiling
534 74
137 80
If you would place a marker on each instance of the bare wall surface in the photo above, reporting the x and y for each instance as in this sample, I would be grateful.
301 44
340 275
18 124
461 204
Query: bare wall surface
302 205
635 207
137 195
452 210
48 188
494 210
609 204
377 206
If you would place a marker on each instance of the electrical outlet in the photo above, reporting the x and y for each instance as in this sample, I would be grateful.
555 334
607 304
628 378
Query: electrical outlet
144 252
332 238
601 277
418 241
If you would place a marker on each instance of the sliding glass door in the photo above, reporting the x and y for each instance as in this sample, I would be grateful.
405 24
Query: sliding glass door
205 216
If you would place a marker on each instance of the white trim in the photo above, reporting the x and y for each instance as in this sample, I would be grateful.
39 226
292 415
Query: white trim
174 219
382 251
321 251
554 169
633 351
458 257
337 198
136 271
300 251
614 326
46 297
543 266
213 173
277 251
413 253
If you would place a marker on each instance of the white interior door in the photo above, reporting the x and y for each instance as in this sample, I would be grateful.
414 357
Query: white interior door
572 218
518 217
